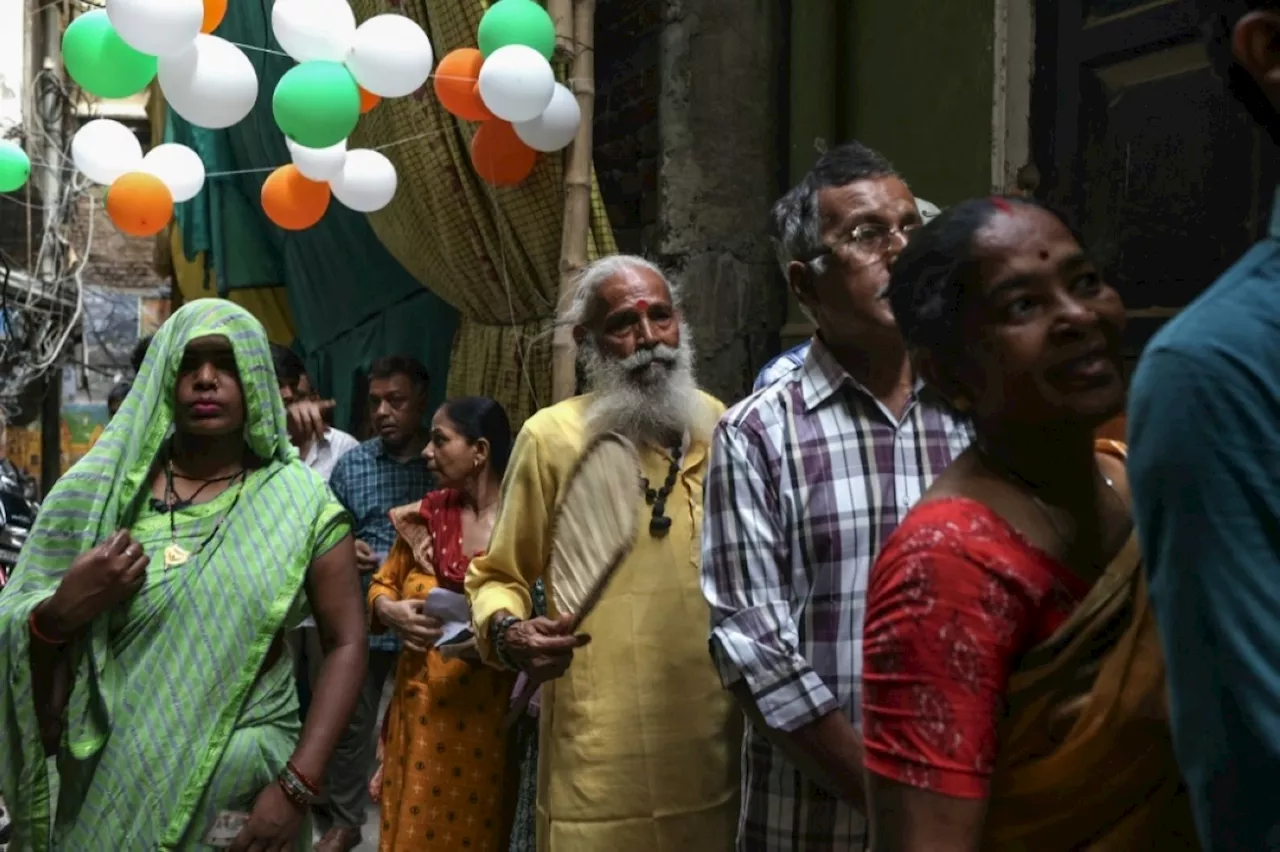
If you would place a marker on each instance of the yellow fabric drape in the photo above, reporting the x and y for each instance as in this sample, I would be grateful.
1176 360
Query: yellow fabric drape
269 304
493 253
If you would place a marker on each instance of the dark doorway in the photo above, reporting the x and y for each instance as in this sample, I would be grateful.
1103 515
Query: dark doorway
1137 139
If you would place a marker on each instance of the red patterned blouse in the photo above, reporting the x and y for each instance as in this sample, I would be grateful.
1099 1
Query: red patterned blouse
956 596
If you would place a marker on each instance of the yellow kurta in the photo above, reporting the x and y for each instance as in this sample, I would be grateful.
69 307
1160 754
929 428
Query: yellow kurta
639 742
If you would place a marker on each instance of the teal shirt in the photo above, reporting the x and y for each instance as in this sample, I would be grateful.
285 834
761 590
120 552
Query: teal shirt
1204 465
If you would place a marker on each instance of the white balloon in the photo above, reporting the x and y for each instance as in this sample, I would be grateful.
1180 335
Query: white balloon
179 167
104 149
367 181
391 56
314 29
318 164
211 84
156 27
516 83
557 125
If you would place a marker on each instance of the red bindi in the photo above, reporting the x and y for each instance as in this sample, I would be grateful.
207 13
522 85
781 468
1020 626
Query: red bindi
642 306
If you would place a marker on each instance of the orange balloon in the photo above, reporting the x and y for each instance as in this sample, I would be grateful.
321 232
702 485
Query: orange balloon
455 84
292 201
214 12
498 155
368 100
139 204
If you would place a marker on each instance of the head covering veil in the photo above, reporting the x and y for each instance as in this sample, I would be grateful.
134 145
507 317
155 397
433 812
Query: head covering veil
103 493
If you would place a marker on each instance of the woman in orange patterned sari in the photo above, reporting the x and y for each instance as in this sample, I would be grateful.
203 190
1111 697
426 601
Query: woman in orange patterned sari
444 782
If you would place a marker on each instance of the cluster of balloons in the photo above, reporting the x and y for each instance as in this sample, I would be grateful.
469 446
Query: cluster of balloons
343 71
15 166
296 196
117 51
509 87
141 191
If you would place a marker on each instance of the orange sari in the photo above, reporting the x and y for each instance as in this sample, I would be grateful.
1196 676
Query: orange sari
444 781
1086 760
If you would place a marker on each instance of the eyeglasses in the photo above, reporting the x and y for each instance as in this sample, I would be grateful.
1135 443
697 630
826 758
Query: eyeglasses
872 241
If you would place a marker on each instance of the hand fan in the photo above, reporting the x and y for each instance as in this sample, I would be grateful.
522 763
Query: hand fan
592 531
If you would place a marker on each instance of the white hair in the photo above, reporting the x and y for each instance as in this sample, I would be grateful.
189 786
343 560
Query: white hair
586 286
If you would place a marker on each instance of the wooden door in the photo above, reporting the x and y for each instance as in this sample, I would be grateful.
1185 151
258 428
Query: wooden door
1165 174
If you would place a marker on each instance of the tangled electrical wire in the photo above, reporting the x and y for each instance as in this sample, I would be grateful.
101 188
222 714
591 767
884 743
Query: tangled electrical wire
41 307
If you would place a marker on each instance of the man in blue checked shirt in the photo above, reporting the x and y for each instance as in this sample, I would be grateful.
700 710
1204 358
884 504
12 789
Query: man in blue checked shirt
371 480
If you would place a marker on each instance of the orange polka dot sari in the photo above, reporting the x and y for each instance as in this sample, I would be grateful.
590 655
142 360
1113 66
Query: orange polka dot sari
445 782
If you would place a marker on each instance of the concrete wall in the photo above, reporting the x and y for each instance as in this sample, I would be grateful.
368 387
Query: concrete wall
721 170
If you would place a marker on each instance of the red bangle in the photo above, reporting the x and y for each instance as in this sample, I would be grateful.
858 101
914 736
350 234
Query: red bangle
35 631
311 786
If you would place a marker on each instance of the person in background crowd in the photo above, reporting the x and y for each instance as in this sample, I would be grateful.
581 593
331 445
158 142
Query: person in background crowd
638 740
139 353
142 634
445 727
1013 684
791 360
115 398
1204 425
320 444
370 481
807 478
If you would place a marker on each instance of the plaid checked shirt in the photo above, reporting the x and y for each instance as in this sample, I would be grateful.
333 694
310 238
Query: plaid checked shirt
370 483
807 479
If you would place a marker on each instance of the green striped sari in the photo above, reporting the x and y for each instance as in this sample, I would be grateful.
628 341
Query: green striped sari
167 722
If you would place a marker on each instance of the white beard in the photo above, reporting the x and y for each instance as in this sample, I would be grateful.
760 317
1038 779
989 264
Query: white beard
651 396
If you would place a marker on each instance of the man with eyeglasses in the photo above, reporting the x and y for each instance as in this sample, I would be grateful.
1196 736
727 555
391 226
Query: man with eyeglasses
791 360
807 478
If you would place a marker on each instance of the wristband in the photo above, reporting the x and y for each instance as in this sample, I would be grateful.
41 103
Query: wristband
498 639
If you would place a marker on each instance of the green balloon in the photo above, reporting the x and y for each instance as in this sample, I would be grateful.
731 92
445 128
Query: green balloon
517 22
99 60
15 166
317 104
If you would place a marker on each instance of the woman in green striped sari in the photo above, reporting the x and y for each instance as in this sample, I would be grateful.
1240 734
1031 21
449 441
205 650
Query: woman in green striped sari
140 635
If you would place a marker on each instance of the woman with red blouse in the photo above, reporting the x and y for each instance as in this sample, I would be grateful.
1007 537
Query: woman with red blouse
1013 686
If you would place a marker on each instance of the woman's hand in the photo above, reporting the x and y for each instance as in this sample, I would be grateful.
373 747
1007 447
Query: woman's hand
96 582
273 824
419 631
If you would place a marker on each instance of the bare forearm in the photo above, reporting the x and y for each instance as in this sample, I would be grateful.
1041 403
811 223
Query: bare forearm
336 691
828 750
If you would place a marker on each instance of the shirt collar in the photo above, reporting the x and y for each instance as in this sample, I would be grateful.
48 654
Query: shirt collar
380 451
821 377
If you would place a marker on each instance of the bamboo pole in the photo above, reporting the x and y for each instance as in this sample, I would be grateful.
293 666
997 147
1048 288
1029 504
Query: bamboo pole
561 12
577 196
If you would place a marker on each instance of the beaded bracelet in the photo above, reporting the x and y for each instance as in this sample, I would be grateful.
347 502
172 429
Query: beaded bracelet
35 631
498 639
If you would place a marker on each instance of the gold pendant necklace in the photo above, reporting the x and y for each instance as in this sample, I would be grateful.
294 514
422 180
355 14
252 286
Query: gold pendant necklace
175 555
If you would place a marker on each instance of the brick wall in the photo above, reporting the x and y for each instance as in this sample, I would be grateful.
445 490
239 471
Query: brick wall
115 261
626 142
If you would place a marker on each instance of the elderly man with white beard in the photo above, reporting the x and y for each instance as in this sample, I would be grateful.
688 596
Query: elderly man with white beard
638 739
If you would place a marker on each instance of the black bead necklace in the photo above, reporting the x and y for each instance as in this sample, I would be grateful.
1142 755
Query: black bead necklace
660 524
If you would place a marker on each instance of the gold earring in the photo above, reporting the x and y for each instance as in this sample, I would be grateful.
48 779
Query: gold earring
960 404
